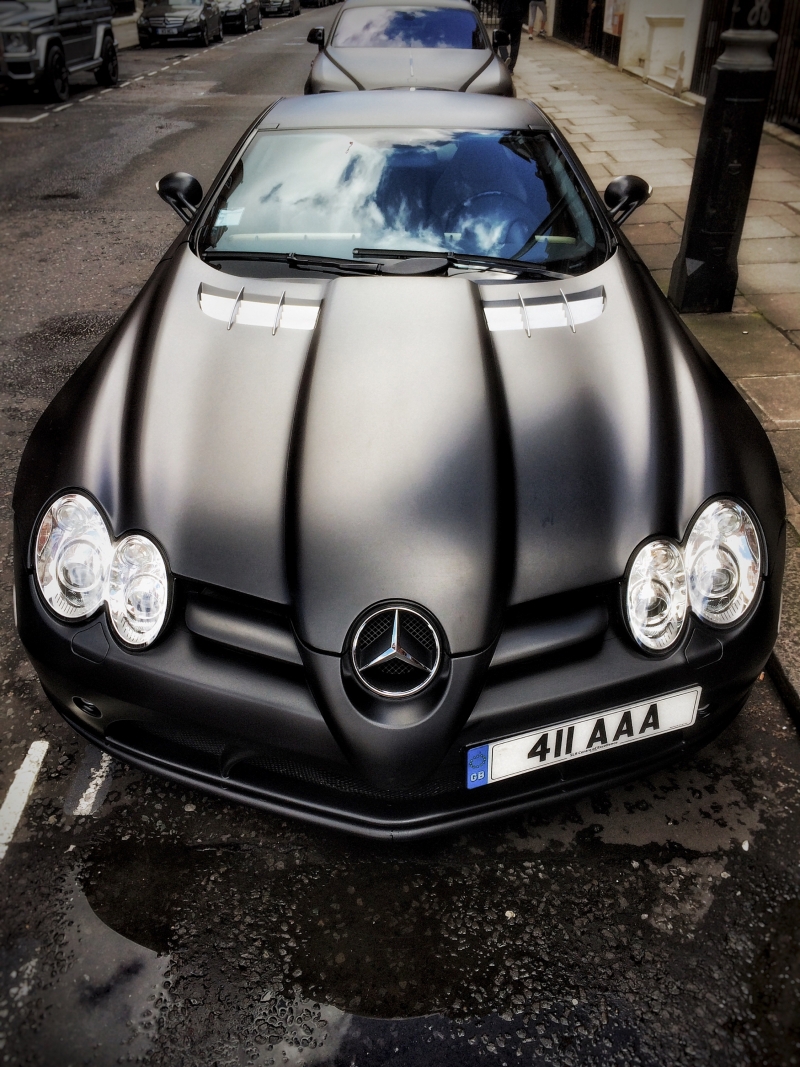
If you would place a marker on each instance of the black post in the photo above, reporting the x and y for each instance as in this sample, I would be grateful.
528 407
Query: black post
705 273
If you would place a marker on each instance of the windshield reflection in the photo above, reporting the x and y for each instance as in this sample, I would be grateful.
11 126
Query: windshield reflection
488 193
391 27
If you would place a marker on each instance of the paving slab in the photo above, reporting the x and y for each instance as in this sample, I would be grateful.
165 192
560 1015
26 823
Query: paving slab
764 226
745 345
758 278
770 250
778 396
782 309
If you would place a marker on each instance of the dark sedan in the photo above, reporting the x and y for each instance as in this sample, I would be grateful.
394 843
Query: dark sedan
399 498
241 15
289 8
171 20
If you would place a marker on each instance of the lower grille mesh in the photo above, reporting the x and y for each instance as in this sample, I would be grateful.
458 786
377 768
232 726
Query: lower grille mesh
192 739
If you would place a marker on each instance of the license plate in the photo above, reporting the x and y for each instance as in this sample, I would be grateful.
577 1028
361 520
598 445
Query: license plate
579 737
162 32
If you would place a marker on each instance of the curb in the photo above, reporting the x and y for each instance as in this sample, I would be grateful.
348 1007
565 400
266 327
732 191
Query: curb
786 689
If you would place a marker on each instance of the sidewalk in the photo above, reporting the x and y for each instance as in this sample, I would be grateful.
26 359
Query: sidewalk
618 125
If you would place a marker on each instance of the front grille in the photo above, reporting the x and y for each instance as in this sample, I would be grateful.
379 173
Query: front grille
421 632
376 628
211 752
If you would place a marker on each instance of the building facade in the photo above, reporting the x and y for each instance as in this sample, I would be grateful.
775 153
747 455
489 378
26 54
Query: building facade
672 44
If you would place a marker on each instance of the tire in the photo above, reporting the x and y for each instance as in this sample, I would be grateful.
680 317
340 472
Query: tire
108 72
204 38
220 33
258 20
145 44
56 75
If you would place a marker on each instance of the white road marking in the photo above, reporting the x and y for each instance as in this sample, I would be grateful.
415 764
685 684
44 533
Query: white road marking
150 73
17 796
62 108
85 805
140 78
35 118
165 68
91 96
102 91
123 84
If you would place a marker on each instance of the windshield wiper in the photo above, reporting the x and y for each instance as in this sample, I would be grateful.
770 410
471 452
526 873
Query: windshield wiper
327 264
463 259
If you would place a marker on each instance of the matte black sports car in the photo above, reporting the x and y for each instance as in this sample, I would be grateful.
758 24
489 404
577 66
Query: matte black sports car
386 44
399 498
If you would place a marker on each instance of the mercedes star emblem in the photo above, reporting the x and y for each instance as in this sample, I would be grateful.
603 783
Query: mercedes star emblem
396 651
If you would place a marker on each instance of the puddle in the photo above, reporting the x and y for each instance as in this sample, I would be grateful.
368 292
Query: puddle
91 991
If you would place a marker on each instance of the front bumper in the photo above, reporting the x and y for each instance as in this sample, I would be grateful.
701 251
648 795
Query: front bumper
181 33
19 68
245 726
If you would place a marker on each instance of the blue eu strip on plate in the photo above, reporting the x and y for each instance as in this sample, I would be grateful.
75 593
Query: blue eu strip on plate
477 767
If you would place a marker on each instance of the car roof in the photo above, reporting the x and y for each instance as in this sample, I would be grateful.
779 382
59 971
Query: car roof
411 3
426 108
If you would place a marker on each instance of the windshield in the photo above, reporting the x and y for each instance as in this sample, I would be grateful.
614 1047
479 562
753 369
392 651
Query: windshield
506 194
407 27
174 3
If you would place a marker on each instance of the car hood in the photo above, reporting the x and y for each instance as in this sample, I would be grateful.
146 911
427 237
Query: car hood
423 68
397 437
22 16
159 10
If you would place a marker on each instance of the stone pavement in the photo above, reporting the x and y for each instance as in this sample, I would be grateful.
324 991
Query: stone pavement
618 125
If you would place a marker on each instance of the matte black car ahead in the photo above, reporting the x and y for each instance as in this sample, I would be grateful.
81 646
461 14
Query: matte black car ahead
399 498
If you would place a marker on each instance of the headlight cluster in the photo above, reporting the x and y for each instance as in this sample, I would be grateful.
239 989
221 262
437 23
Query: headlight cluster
79 567
16 42
716 574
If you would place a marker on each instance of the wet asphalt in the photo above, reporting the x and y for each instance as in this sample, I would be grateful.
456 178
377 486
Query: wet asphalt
655 924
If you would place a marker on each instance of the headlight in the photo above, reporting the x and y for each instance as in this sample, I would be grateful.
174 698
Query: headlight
73 551
656 596
143 22
137 590
191 20
16 42
78 568
723 562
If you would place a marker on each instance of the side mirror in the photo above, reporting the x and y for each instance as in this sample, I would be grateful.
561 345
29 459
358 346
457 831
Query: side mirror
623 196
182 192
317 37
500 39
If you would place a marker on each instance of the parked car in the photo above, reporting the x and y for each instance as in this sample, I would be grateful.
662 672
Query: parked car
400 497
171 20
44 41
241 15
381 44
280 7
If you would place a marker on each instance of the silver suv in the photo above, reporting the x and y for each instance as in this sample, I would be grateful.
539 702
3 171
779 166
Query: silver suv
42 42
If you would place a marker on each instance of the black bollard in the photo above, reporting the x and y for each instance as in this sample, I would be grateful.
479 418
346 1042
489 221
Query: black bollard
706 271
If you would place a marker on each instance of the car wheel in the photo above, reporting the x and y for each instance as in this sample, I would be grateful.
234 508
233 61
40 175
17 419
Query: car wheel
220 32
56 76
204 38
108 71
258 20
